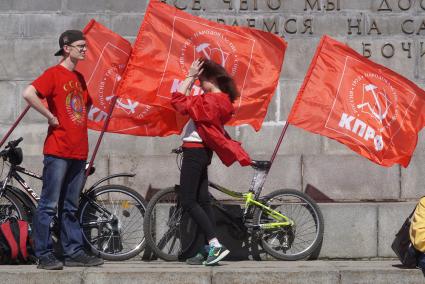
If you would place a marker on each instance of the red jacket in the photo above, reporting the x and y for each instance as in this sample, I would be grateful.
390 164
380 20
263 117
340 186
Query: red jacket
210 112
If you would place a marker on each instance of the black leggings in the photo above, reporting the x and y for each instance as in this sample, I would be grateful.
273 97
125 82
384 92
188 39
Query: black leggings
194 188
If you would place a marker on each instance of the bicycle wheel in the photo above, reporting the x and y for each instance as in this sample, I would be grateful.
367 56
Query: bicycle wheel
291 242
111 218
11 206
169 231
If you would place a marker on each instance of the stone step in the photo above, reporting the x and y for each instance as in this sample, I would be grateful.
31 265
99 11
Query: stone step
158 272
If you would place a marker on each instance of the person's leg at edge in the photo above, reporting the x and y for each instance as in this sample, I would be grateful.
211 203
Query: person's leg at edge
71 234
53 177
421 261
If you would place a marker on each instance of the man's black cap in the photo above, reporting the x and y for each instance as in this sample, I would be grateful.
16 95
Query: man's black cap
68 37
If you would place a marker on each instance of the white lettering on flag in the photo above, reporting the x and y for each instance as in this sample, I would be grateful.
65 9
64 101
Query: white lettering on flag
96 114
345 121
196 90
361 129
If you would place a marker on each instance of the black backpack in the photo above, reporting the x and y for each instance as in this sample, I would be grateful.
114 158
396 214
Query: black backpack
16 246
403 247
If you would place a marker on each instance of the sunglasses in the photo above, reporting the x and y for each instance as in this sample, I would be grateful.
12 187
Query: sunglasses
80 47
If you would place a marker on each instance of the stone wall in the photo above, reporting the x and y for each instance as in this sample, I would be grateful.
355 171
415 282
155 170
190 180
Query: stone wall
390 32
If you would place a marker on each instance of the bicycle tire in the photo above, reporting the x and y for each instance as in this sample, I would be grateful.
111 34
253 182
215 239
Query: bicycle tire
12 206
166 223
111 219
292 243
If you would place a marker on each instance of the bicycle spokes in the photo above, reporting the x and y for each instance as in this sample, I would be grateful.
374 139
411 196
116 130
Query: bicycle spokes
291 241
7 211
170 239
112 219
169 229
170 235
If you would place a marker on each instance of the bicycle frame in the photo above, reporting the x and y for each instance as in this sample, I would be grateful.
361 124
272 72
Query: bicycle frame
251 197
32 196
14 174
250 200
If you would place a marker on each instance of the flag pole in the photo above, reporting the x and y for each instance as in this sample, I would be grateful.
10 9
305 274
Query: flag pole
14 125
104 128
279 142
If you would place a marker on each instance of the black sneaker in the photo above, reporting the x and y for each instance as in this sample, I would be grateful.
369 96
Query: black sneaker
49 262
83 260
198 259
215 255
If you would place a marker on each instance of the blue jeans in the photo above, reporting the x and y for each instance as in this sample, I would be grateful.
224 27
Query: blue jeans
62 183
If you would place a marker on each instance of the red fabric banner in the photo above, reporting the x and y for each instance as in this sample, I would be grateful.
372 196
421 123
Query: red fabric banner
168 42
366 106
106 60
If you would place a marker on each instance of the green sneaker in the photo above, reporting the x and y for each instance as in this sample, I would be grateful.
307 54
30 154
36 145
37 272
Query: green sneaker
198 259
215 255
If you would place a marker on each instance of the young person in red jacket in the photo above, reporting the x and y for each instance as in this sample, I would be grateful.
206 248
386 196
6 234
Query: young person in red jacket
204 135
65 153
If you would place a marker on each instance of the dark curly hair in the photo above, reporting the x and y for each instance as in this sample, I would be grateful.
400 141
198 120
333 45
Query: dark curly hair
224 81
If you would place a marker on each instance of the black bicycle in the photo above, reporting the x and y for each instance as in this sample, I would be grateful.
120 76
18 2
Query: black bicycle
111 216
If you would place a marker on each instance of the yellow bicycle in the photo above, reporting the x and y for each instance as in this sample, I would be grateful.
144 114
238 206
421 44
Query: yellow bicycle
287 223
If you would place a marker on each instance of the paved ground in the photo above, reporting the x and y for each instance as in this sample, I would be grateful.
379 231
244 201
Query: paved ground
158 272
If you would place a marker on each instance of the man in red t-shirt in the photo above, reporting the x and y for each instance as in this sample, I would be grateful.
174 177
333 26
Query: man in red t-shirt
65 153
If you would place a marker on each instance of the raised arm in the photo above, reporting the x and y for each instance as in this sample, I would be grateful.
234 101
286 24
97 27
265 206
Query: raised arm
180 99
194 71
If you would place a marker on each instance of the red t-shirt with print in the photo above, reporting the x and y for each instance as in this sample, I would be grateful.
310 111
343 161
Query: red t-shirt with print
68 100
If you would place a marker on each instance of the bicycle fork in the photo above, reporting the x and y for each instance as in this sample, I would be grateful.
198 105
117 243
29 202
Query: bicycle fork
281 220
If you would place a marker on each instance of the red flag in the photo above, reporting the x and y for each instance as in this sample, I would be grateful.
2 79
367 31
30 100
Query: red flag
168 42
369 108
106 60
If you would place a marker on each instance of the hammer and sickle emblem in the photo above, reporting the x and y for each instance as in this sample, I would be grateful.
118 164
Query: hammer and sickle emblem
380 113
206 50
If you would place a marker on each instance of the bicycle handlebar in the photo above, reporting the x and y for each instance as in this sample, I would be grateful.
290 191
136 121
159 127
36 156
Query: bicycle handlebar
14 143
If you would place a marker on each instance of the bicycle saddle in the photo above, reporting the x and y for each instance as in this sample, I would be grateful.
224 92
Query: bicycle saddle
261 165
